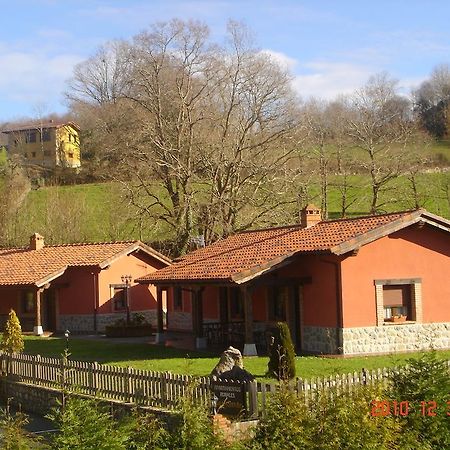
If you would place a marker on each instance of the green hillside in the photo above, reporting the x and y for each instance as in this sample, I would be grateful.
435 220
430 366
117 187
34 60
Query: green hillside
97 212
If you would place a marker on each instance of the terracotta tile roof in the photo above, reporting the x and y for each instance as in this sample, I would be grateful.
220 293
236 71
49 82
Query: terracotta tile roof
39 125
27 267
233 258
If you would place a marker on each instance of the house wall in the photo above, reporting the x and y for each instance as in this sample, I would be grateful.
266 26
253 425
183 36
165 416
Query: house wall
60 150
318 303
421 253
67 147
76 302
9 299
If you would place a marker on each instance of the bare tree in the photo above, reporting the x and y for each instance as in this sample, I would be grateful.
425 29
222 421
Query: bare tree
248 137
14 187
380 126
199 132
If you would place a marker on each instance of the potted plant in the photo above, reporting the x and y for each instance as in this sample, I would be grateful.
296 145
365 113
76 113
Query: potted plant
137 327
397 318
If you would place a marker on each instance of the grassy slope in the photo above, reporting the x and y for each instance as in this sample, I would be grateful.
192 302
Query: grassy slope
157 358
101 211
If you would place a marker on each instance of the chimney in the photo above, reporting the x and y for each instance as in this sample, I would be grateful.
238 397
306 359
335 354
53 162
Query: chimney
310 215
36 242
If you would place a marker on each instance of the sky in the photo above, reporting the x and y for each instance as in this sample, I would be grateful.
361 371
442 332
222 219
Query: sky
331 47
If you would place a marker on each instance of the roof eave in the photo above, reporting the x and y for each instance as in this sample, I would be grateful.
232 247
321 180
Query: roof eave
132 248
389 228
51 277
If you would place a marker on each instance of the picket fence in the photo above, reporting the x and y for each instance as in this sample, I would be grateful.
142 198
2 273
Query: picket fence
165 389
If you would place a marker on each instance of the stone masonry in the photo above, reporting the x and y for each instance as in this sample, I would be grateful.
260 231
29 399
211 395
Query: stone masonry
84 323
386 338
396 338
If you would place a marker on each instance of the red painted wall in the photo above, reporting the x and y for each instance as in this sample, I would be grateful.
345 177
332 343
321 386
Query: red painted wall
9 298
142 297
410 253
78 296
319 297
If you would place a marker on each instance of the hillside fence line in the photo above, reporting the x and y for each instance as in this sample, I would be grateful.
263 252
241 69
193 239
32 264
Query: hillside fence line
165 389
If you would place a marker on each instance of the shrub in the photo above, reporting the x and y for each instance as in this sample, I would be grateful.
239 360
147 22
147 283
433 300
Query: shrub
13 435
84 424
425 379
194 430
332 421
12 341
284 424
281 354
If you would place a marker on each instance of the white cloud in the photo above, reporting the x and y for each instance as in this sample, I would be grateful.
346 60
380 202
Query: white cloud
285 61
328 80
31 77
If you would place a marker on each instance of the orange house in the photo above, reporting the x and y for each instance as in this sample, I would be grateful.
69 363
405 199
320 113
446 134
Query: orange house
371 284
79 287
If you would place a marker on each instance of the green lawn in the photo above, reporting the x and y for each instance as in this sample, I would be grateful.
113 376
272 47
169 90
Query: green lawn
157 358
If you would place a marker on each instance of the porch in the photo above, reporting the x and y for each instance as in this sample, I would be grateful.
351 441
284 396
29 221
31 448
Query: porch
245 315
36 308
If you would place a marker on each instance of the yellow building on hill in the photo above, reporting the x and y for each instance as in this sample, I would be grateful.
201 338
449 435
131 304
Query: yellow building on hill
50 144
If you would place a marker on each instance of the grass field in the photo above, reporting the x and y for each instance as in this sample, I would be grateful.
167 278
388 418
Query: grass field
96 212
158 358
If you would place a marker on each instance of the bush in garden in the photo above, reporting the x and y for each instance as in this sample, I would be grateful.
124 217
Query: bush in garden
194 430
147 433
85 424
13 435
331 421
425 379
285 423
281 354
12 341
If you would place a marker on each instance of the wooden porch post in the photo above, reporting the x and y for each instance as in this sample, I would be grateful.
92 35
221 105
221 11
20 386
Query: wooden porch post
159 338
197 318
249 344
38 330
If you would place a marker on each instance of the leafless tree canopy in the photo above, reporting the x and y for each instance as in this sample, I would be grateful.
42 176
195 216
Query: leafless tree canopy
200 130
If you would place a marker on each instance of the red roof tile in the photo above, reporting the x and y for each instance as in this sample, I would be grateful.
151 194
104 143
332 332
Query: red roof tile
230 258
25 266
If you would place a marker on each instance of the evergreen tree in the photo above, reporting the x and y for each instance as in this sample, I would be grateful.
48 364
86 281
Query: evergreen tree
282 354
12 341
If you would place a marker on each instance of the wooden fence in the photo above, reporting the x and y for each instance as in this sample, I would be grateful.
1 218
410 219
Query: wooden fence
164 389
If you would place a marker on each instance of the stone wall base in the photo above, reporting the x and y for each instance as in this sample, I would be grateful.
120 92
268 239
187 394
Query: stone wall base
179 321
84 323
319 340
396 338
386 338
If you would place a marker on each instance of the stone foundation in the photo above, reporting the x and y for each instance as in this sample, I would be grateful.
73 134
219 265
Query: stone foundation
386 338
178 320
396 338
84 323
319 340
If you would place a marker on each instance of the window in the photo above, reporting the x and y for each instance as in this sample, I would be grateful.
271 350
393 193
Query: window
397 301
70 155
119 298
33 154
398 297
27 302
236 303
30 136
46 136
278 297
177 299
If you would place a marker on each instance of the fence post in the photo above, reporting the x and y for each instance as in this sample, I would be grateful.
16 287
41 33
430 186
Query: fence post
163 388
93 377
128 384
252 399
364 376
